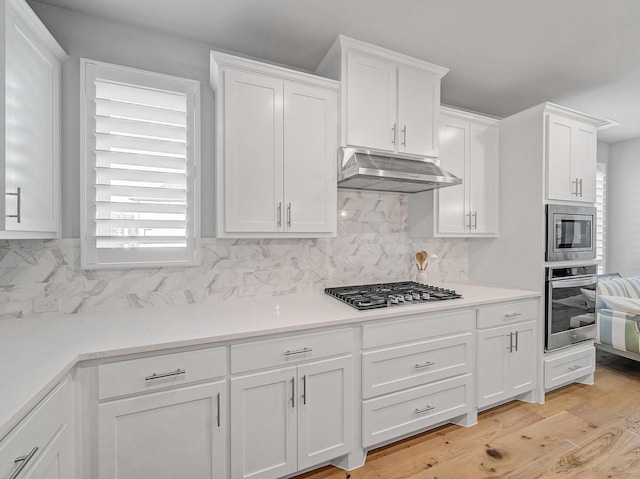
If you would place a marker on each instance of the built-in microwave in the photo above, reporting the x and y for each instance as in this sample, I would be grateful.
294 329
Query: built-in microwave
571 233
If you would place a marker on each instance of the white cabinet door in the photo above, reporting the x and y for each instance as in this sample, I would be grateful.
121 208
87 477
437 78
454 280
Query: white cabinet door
482 180
522 361
418 107
571 160
56 461
583 162
371 103
253 148
310 141
492 370
325 398
452 214
164 435
32 131
263 415
560 183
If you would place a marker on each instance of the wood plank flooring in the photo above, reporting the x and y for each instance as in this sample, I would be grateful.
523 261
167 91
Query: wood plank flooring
586 432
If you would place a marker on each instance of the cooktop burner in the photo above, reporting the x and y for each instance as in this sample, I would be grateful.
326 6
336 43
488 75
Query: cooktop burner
383 295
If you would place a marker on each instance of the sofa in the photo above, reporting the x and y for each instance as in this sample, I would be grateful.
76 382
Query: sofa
618 309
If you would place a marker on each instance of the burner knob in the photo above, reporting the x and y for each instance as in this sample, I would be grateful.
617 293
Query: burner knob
426 296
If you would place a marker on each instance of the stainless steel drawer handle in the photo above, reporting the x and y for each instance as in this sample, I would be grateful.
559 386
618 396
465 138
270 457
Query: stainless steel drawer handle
177 372
288 352
18 195
23 460
424 365
425 409
512 315
574 368
219 411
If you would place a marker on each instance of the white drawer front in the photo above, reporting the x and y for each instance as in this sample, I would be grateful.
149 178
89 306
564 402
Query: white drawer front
148 374
402 367
392 416
507 313
34 433
290 350
564 369
414 329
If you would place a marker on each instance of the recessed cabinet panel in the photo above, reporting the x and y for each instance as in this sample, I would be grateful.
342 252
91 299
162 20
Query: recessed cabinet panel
371 102
417 112
483 178
493 377
31 103
559 180
309 159
584 164
253 151
454 151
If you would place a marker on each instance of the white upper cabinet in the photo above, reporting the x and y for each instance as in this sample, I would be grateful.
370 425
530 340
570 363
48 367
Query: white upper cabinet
469 149
571 141
276 150
390 102
31 134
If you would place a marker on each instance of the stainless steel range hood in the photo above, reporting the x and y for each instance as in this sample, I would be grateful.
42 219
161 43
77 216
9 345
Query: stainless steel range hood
361 170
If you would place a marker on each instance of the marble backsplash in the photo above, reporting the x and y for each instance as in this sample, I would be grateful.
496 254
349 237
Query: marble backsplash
372 245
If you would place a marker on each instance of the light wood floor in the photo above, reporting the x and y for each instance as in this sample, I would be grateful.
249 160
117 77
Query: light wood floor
586 432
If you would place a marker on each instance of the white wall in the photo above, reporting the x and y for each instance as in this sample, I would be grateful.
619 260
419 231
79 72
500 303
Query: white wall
84 36
623 196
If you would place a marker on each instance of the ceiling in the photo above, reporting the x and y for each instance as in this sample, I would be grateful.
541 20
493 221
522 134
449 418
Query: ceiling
504 55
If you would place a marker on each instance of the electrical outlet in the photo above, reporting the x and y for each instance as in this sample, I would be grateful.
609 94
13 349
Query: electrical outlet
244 291
46 305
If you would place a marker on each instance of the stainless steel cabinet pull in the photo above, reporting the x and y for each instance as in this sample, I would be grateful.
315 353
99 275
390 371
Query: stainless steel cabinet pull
18 195
219 412
288 352
475 220
428 408
424 365
393 140
293 392
23 460
289 215
404 135
512 315
304 389
469 221
510 348
516 341
580 187
280 214
574 368
177 372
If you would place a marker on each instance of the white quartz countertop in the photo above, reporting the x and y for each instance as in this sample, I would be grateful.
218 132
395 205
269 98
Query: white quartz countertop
36 353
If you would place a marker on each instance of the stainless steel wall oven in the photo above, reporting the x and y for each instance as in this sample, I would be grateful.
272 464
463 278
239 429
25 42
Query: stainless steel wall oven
570 302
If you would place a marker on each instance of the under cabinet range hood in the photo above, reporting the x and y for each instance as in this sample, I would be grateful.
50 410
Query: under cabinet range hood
361 170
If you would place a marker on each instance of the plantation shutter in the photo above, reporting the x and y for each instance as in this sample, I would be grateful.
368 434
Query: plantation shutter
601 208
141 168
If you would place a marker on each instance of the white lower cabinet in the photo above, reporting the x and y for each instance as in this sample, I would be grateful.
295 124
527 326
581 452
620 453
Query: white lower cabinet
41 446
291 418
164 435
570 364
507 362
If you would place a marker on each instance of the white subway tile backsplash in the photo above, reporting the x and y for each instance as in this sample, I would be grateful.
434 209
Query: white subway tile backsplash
372 245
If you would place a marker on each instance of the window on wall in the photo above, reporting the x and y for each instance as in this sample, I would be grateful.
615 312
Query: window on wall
140 168
601 221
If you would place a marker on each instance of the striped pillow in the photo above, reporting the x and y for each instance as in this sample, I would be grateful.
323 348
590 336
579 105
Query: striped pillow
632 285
614 287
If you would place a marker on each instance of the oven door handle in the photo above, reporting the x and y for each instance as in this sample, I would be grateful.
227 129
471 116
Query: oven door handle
572 283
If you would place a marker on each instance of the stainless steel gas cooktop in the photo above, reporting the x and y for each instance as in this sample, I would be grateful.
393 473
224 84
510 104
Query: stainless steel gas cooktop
383 295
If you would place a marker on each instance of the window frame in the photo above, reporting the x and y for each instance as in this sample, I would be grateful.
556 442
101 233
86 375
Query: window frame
138 257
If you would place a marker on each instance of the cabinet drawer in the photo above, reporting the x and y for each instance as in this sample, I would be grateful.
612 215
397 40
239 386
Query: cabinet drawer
148 374
506 313
564 369
401 367
395 415
33 434
290 350
422 327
